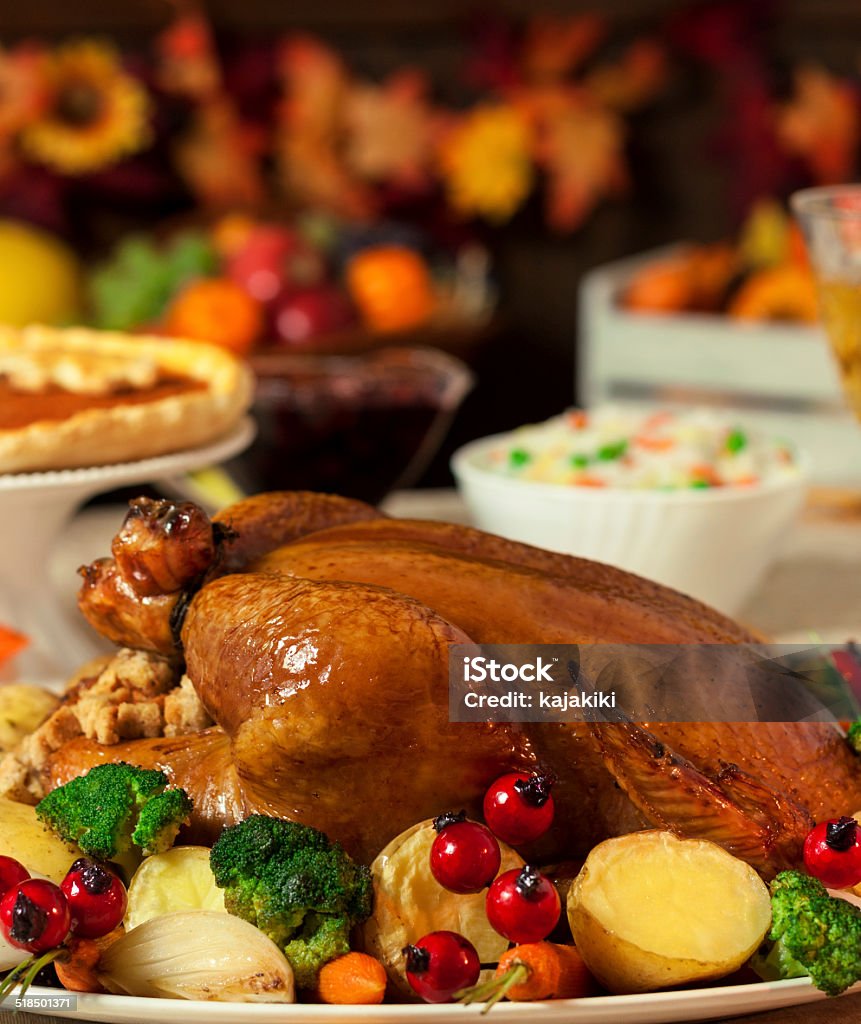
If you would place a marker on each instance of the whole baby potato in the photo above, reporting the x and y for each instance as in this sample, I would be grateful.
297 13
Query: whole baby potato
650 911
409 902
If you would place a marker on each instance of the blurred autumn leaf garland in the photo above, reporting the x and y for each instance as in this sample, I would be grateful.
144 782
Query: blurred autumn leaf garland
331 140
549 110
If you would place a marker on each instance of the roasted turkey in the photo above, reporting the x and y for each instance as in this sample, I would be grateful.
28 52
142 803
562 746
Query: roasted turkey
315 631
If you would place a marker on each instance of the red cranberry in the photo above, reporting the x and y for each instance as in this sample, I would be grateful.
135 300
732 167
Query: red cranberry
523 905
519 807
441 964
97 898
35 915
465 855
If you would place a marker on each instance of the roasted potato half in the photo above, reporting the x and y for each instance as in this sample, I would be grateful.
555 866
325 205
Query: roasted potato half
650 911
409 903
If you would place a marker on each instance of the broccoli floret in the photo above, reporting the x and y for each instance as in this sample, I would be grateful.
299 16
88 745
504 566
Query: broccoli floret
116 809
812 934
298 887
853 736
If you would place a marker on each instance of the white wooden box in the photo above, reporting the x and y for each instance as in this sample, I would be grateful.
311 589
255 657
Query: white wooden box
781 378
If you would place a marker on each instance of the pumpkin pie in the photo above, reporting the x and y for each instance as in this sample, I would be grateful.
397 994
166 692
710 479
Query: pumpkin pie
76 397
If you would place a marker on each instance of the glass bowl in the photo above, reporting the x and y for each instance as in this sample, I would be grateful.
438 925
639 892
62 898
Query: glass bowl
358 425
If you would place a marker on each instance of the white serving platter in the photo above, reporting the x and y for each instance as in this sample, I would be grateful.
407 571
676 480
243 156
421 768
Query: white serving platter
652 1008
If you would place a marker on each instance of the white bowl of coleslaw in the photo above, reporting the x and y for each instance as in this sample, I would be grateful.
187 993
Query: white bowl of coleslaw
691 499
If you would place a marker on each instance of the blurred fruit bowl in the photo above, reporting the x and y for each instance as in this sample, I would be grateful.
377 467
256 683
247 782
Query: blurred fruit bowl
256 285
448 329
359 425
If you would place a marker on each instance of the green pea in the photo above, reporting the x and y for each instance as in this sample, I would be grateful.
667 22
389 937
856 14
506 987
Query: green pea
736 441
519 457
579 461
609 452
700 485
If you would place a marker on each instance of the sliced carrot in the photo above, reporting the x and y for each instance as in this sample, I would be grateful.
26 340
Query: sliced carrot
536 970
553 971
658 419
77 969
355 979
11 643
577 419
589 481
706 473
654 444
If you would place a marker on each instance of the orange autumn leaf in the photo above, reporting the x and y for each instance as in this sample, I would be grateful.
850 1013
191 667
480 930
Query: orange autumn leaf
580 145
314 81
632 81
218 154
390 130
821 125
24 88
555 46
311 130
218 158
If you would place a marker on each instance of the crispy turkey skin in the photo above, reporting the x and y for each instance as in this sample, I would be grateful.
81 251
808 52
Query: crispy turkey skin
317 640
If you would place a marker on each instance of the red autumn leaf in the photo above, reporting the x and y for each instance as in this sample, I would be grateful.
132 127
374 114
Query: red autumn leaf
187 59
821 125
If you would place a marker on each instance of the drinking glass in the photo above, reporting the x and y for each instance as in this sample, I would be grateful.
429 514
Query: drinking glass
831 220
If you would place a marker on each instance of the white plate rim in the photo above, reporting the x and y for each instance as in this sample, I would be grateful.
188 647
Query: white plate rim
687 1004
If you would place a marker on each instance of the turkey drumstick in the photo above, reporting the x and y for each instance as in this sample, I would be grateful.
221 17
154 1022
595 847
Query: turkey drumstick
163 551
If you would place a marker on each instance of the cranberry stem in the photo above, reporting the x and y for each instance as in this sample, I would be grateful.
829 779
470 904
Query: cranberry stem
447 818
536 789
528 882
418 959
840 834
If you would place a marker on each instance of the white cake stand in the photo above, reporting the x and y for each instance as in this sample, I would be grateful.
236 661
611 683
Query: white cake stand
34 508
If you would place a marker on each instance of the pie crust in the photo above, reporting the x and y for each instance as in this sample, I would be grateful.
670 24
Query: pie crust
131 397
